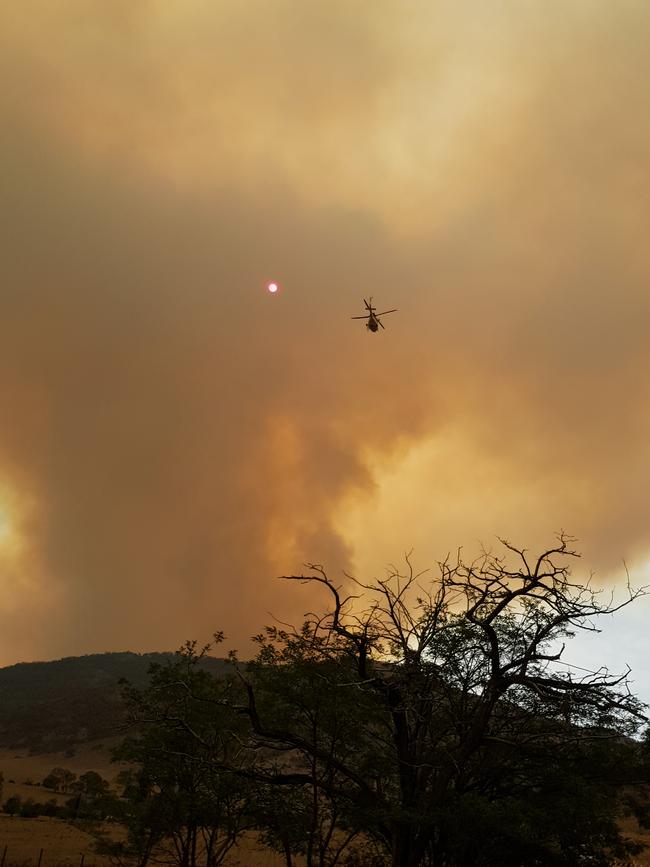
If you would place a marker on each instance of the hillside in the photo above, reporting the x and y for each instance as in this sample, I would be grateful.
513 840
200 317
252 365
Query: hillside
50 706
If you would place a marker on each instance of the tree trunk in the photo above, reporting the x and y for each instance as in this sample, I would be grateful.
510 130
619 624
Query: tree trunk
287 852
193 847
403 848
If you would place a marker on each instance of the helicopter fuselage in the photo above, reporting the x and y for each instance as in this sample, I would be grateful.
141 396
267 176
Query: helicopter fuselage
372 324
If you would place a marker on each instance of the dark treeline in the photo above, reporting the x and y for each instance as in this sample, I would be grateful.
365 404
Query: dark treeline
89 797
420 722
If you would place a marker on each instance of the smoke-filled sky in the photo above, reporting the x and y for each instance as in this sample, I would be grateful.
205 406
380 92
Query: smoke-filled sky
172 437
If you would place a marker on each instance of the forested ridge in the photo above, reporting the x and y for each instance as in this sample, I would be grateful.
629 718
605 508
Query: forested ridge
49 706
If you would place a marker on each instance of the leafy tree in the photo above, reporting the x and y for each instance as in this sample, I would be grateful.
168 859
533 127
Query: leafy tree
180 802
298 687
440 718
51 808
91 784
60 779
12 805
93 800
29 809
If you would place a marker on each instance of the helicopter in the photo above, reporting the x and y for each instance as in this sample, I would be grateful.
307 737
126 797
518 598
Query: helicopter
374 321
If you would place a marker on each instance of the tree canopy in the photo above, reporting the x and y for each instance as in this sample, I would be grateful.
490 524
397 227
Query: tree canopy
432 720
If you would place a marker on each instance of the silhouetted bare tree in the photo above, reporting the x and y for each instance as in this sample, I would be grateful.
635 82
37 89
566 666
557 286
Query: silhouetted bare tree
430 710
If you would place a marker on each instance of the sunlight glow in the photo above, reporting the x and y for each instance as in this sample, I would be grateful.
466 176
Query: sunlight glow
4 526
272 287
10 519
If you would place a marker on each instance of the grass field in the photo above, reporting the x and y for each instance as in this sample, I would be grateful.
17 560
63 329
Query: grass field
23 772
63 845
21 766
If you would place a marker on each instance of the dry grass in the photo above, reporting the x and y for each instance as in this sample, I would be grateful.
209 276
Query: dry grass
21 766
63 845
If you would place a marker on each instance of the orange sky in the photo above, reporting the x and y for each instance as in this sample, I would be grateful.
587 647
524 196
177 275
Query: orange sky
172 437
